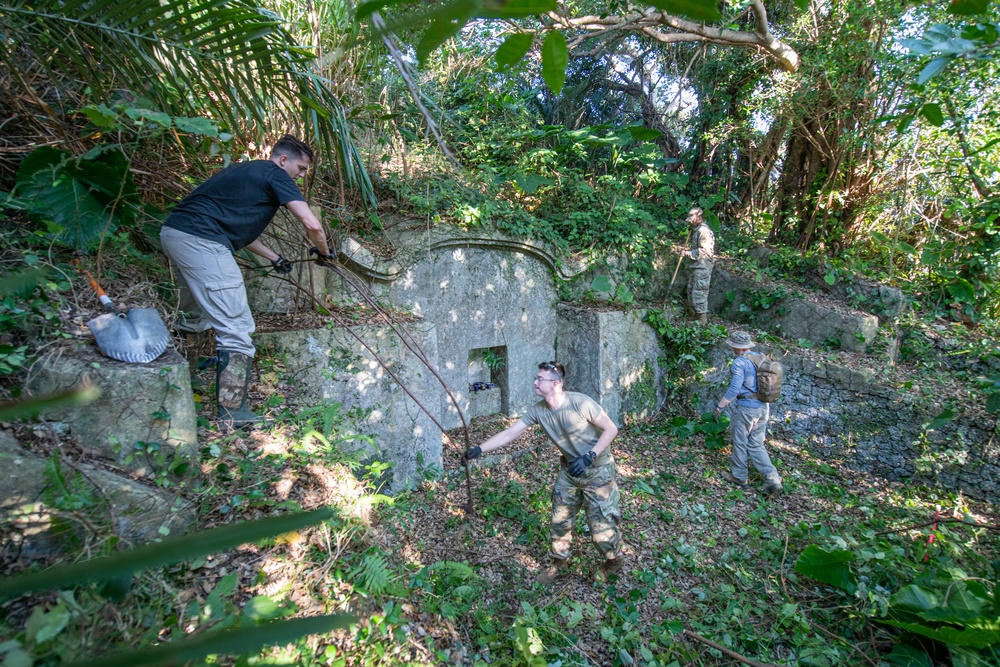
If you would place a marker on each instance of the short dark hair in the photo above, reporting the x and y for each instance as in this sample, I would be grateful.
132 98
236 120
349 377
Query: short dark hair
553 366
292 147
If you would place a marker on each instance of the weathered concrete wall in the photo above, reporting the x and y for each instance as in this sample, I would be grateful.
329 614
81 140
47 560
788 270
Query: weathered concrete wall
483 295
138 403
330 365
612 357
838 413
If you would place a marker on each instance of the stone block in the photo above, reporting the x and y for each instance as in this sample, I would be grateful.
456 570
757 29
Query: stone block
138 403
484 402
792 318
331 366
134 512
612 357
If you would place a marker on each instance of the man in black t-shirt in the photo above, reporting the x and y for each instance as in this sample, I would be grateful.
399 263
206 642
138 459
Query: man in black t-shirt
223 215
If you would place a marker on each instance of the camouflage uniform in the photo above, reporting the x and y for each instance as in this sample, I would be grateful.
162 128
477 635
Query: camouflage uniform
571 428
703 254
597 491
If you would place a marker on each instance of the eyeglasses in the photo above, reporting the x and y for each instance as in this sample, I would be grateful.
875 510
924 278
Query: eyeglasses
547 365
540 380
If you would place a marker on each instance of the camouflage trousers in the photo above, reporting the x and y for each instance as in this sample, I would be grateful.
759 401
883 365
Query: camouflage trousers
597 492
697 292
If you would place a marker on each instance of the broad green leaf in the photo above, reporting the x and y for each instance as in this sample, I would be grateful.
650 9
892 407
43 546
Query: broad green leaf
263 608
238 641
198 125
512 9
167 552
704 10
933 114
918 46
100 115
555 58
33 406
962 290
513 49
44 626
956 46
529 183
942 419
962 606
148 115
903 246
914 599
444 27
933 68
904 655
830 567
905 122
993 403
830 278
967 7
601 284
366 9
644 133
969 636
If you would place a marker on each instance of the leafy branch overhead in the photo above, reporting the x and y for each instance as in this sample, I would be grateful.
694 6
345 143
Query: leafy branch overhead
560 32
234 61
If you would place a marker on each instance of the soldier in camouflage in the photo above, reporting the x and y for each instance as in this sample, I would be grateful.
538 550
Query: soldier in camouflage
582 432
702 254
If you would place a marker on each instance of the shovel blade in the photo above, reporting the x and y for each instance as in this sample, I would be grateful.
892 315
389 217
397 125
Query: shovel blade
138 336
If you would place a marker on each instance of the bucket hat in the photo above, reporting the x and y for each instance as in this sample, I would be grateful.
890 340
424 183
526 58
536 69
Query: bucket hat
740 340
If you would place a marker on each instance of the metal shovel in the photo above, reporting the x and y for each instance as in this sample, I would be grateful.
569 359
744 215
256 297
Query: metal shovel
137 336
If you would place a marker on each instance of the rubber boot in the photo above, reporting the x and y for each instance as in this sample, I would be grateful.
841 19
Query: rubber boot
232 386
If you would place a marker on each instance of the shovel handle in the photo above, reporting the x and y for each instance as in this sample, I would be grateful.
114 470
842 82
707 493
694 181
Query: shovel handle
105 300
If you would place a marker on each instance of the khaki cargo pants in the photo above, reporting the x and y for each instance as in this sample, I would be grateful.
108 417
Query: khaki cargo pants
697 291
212 294
597 492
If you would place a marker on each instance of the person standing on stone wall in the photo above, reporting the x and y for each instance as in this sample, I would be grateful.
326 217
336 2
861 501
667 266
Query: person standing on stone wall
750 415
702 255
223 215
582 432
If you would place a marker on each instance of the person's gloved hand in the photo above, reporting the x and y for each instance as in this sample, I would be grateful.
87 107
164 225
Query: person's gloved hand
580 464
716 412
281 265
320 257
472 453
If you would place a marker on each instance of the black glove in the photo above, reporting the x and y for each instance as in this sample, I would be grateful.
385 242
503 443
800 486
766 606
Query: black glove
472 453
715 413
320 257
580 464
281 265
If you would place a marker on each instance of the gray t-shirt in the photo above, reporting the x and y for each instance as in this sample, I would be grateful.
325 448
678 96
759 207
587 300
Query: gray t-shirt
571 427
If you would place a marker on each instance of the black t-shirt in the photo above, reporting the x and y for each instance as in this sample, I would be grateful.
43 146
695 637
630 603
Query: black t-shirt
234 206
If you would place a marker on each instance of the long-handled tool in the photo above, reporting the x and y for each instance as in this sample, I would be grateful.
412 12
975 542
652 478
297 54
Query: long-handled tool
137 336
687 242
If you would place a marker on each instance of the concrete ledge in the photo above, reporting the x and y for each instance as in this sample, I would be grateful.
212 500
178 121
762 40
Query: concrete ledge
138 403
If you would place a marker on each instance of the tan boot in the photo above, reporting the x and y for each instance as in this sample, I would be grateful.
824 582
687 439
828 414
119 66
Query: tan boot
612 566
556 570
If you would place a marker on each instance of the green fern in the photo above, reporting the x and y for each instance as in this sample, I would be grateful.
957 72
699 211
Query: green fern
373 575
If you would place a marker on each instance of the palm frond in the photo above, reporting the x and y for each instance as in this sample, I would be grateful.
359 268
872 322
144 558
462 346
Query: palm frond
229 59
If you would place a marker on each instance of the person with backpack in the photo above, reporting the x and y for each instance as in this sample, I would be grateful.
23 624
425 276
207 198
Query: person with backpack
751 410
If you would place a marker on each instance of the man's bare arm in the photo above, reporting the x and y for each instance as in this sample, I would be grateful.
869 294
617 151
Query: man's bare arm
608 432
314 228
504 437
